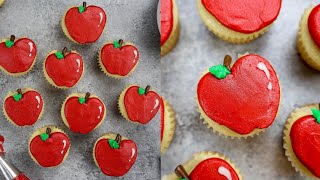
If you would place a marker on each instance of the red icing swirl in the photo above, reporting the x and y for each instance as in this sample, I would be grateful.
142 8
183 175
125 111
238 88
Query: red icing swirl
166 15
245 16
246 99
314 24
305 140
214 168
51 152
18 58
64 72
162 115
85 27
141 108
27 110
21 177
1 145
119 61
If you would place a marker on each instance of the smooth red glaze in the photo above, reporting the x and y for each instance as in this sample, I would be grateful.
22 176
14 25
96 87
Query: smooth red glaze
51 152
245 16
141 108
21 177
305 140
27 110
83 118
85 27
246 99
119 61
18 58
314 24
64 72
115 162
162 115
1 145
166 15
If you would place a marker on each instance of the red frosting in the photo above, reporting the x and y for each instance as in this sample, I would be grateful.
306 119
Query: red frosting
162 115
119 61
305 140
141 108
85 27
166 14
115 162
214 168
245 16
21 177
18 58
1 145
83 118
50 152
27 110
246 99
64 72
314 24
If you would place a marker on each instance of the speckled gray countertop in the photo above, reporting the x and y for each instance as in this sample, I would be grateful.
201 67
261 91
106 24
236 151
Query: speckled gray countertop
261 157
131 20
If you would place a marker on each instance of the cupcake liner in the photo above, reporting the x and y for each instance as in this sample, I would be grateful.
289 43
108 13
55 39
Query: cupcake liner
7 116
294 116
174 35
1 2
50 81
43 130
199 157
306 46
169 126
225 33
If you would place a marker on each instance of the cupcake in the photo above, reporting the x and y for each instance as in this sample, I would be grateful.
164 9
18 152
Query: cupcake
139 105
63 69
118 59
1 2
301 140
169 25
206 165
167 125
17 57
241 100
49 146
84 24
309 37
114 154
238 21
83 113
23 107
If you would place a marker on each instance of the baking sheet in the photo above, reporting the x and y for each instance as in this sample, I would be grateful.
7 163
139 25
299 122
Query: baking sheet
131 20
261 157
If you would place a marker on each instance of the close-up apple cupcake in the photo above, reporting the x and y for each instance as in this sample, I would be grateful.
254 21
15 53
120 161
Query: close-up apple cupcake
301 140
167 124
238 21
239 101
308 42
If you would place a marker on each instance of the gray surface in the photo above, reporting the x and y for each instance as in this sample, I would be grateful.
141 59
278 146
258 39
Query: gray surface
132 20
261 157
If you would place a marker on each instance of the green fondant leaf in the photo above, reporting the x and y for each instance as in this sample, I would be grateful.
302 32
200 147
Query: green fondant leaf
219 71
116 44
316 114
44 136
183 179
81 9
114 144
17 97
141 91
82 100
9 43
59 55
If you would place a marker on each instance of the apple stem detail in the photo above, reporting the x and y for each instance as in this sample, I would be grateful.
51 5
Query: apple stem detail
221 71
181 173
82 8
18 96
64 51
115 143
9 43
85 99
227 62
118 44
142 91
45 136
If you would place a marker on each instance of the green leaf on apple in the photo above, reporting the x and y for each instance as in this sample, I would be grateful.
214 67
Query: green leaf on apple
9 43
59 55
82 100
141 91
44 136
116 44
81 9
17 97
316 114
114 144
219 71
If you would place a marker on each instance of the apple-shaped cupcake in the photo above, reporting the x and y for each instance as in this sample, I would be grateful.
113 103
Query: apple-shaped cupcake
114 154
1 2
167 124
206 165
23 107
63 69
49 146
302 140
84 24
17 57
118 59
139 105
240 101
83 113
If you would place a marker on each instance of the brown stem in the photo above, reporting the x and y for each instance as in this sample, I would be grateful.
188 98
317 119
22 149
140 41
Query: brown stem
84 4
48 131
87 96
227 61
118 138
120 42
12 38
64 51
147 89
19 91
181 172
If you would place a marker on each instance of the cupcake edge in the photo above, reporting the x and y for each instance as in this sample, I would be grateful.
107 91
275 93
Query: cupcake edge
169 126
